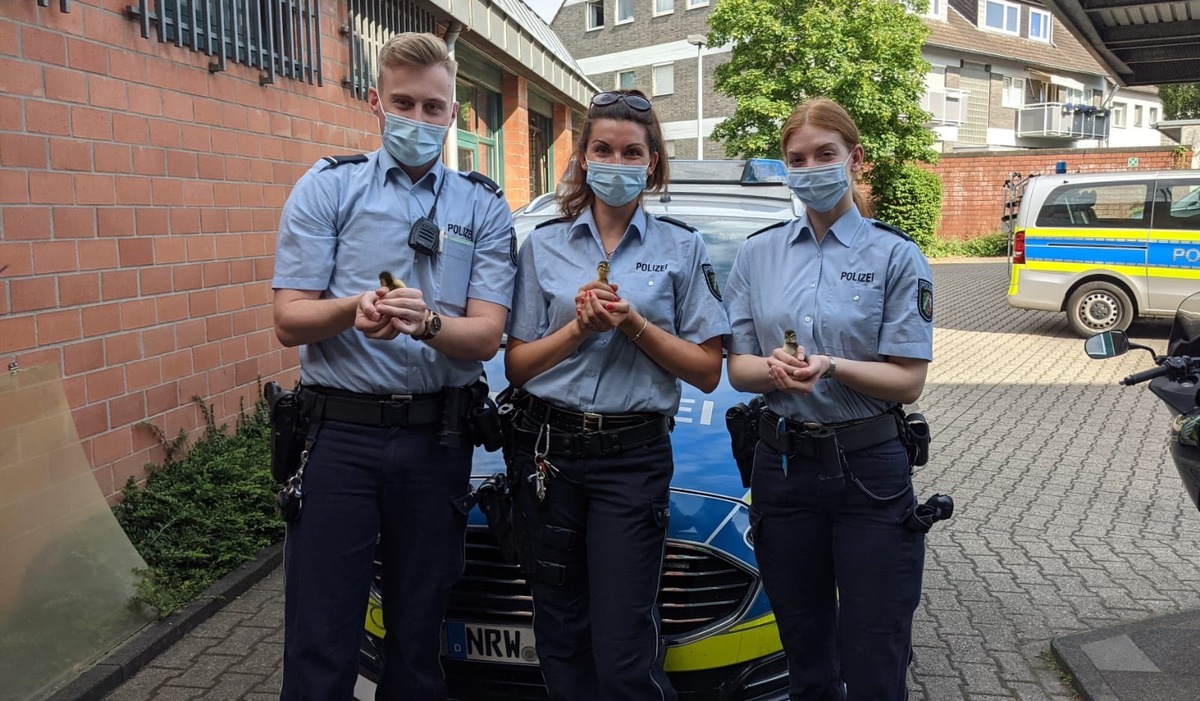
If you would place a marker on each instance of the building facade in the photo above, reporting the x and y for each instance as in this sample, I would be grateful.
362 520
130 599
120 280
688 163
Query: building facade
146 149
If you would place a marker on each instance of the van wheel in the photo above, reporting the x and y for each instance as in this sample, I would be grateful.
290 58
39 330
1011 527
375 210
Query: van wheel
1097 307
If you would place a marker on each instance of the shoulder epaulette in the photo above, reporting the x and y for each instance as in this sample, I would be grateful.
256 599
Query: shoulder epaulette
548 222
335 161
481 179
892 229
768 228
676 222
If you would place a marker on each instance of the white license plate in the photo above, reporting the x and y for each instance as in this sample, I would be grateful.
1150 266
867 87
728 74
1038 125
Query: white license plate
477 641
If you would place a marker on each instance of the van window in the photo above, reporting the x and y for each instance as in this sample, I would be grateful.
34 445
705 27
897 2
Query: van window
1177 205
1113 206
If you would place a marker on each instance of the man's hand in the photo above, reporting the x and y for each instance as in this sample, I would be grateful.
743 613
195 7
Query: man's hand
598 308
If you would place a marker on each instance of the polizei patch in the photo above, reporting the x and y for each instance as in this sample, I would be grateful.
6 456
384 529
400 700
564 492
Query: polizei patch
925 299
711 278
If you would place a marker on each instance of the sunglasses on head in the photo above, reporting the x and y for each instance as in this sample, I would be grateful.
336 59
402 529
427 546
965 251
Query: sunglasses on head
635 102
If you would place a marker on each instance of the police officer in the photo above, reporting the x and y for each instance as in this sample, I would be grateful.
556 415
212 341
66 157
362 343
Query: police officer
831 480
600 354
376 363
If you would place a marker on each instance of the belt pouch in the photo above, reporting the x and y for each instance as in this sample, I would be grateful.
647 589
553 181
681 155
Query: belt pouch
828 454
289 424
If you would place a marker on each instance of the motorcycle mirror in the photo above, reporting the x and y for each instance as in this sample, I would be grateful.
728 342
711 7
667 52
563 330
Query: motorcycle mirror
1106 345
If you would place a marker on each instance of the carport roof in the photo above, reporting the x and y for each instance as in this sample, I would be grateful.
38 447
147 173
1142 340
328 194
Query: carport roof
1141 43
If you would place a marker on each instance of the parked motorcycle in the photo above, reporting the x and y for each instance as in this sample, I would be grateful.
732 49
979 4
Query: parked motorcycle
1175 379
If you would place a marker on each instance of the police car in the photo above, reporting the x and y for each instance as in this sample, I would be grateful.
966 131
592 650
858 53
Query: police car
721 636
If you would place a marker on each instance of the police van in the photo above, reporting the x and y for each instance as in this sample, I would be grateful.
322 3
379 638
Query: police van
1106 248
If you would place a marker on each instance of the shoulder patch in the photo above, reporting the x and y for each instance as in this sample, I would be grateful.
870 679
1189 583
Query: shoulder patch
676 222
512 245
481 179
891 229
925 299
335 161
548 222
768 228
710 277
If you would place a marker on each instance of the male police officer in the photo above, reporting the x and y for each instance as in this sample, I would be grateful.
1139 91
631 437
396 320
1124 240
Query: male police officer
375 364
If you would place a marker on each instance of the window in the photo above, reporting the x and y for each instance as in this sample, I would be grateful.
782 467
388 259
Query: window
541 130
1075 96
1153 117
1014 93
479 130
1118 114
1003 16
693 4
1039 25
626 80
1036 91
1137 115
663 7
664 79
935 8
1116 206
624 11
595 15
1176 204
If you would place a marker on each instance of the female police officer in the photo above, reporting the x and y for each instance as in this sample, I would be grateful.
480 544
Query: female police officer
600 354
832 480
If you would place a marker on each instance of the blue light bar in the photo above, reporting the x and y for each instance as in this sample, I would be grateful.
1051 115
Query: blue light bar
764 170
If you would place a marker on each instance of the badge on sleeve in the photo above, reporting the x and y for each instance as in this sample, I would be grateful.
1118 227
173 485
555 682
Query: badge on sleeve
512 245
711 278
925 299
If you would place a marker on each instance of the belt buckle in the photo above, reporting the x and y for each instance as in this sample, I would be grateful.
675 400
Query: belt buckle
592 421
401 398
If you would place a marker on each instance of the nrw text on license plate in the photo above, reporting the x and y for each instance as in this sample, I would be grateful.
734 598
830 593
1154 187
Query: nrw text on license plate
475 641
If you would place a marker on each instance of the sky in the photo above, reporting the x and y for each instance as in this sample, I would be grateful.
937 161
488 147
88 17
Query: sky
544 8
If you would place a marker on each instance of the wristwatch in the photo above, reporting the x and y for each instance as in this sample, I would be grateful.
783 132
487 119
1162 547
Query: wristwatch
433 326
832 368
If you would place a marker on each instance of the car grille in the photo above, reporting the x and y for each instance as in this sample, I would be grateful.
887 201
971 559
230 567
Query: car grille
701 590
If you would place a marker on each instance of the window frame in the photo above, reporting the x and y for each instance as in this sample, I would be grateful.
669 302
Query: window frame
935 9
1005 6
654 91
1013 82
662 13
1151 116
588 20
1120 113
1048 23
617 21
1137 116
617 80
693 4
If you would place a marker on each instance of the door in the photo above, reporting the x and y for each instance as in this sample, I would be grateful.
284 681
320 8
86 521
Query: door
1174 257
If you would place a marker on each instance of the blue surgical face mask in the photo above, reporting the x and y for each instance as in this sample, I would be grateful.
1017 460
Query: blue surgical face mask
413 143
820 188
616 184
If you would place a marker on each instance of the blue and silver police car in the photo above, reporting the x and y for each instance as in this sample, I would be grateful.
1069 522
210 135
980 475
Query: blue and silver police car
717 622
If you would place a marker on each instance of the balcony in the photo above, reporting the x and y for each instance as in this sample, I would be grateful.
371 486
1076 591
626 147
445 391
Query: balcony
1057 120
947 105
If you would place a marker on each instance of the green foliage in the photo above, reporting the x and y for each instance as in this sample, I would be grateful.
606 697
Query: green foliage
986 246
203 513
863 54
1180 101
911 200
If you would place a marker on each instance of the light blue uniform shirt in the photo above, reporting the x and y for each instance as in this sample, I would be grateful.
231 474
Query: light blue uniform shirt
864 293
343 225
661 268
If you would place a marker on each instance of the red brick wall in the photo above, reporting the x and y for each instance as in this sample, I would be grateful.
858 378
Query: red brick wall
972 184
139 198
515 101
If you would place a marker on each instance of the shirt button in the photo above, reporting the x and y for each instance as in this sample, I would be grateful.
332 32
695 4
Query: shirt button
812 284
808 319
855 298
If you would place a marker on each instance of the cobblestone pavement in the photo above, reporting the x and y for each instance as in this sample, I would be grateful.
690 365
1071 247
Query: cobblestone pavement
1069 515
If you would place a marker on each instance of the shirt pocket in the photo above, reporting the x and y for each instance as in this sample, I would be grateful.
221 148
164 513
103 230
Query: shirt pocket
851 321
455 274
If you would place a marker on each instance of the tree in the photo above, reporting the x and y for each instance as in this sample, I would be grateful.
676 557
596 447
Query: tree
863 54
1180 101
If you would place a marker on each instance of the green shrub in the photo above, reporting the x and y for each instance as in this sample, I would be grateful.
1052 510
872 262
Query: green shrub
203 513
911 200
993 244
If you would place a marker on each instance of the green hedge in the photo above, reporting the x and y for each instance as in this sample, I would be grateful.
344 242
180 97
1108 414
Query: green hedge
911 200
204 511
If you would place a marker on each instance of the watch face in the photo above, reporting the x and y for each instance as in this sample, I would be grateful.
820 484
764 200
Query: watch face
435 324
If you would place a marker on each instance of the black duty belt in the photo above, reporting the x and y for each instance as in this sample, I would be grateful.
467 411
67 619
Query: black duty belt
380 410
800 438
583 422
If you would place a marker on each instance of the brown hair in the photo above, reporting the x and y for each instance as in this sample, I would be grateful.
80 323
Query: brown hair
823 113
415 49
576 195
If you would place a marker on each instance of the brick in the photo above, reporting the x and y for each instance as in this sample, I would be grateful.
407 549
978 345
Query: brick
113 158
127 409
70 154
201 248
210 166
18 257
26 223
10 43
164 133
115 221
131 129
105 384
89 123
94 189
123 348
154 281
216 274
167 192
107 93
23 151
111 446
20 78
149 161
98 254
187 277
144 100
14 187
127 65
55 257
190 333
80 289
178 106
102 319
170 249
56 327
43 46
74 222
47 117
196 138
181 164
214 221
147 375
134 190
91 420
206 357
51 188
135 252
172 308
65 85
138 313
177 365
29 294
83 357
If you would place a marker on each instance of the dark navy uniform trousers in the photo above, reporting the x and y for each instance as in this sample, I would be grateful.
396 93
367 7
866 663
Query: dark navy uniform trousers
842 573
598 542
364 483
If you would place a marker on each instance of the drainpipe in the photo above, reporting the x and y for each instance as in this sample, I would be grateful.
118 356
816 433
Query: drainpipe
451 150
1106 102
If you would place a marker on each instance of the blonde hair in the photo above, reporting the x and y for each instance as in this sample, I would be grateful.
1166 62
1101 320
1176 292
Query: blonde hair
824 113
415 49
